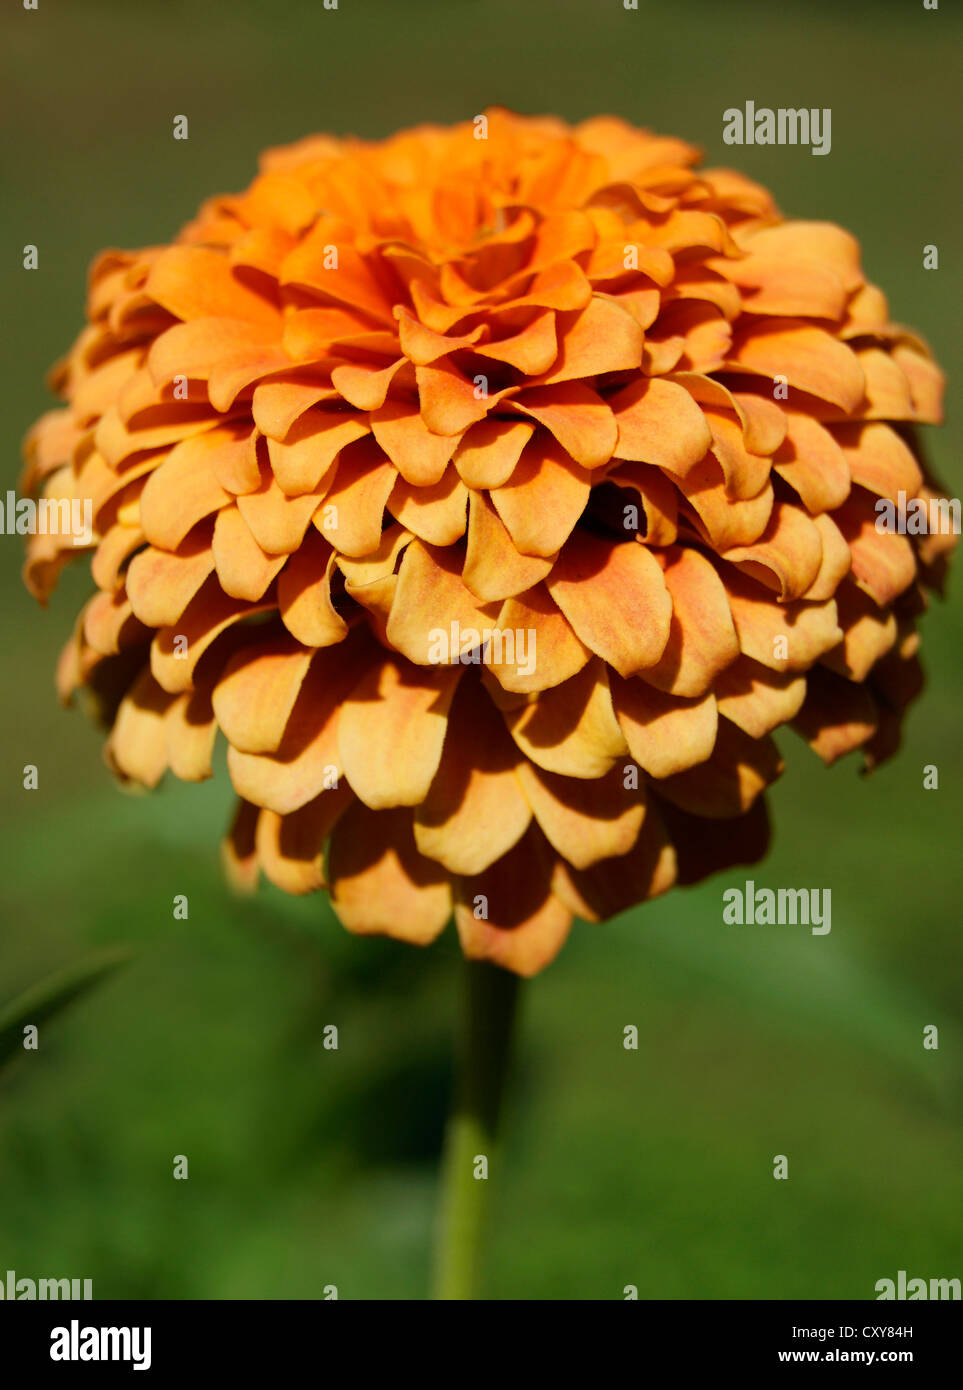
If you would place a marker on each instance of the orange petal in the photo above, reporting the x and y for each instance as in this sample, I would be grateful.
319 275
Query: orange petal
784 637
883 561
787 556
758 700
746 473
584 821
493 568
475 810
926 383
577 416
728 783
307 455
391 730
183 490
659 499
277 522
509 916
137 746
256 693
613 885
449 401
821 242
380 885
552 651
813 464
238 854
193 282
304 595
177 649
665 733
810 359
244 570
422 345
224 347
868 633
571 729
278 404
615 597
290 848
704 847
879 460
532 350
307 761
431 598
660 423
191 731
419 456
837 717
543 499
489 451
437 513
352 514
602 337
363 386
160 585
702 639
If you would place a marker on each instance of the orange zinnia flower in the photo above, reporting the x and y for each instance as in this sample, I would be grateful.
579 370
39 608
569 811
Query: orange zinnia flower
497 498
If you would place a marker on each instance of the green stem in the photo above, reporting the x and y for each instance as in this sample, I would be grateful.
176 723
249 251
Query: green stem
491 996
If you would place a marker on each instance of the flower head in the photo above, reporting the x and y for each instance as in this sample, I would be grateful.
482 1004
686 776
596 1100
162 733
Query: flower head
497 491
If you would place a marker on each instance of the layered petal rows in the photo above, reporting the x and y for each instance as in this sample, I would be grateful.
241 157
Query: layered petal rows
497 491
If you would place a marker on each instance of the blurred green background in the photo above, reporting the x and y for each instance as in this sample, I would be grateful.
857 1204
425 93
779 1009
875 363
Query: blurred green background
310 1167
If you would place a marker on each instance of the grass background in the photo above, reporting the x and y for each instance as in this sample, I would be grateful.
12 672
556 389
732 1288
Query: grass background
310 1167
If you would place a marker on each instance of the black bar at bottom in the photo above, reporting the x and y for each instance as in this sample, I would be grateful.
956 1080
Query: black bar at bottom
163 1339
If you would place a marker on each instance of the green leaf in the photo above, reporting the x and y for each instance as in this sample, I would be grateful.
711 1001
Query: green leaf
52 995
